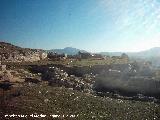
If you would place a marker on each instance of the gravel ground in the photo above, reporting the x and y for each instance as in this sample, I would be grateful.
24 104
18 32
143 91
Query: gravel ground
65 103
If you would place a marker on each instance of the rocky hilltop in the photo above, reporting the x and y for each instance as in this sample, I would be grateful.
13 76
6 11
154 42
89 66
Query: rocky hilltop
12 53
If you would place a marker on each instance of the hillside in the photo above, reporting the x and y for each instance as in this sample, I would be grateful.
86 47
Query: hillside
66 91
7 47
10 48
12 53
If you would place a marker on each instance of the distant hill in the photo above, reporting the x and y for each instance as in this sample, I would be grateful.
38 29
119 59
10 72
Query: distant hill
152 55
153 52
67 50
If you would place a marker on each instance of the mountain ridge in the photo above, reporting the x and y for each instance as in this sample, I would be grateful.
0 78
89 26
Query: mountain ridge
67 50
152 52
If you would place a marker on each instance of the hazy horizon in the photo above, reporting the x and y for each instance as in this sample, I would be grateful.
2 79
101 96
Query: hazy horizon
92 25
86 50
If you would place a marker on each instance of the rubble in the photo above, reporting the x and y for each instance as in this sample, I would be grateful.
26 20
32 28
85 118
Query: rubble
2 67
61 78
46 100
6 76
32 79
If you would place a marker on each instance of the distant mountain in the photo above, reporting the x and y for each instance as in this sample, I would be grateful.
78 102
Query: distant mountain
67 50
153 52
152 55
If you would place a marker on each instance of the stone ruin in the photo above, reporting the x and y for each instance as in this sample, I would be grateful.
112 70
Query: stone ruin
58 77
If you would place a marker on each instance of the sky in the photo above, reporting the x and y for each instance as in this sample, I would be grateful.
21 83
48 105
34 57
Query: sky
92 25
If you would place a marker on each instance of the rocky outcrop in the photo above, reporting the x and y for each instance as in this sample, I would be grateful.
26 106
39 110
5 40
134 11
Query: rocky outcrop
58 77
11 53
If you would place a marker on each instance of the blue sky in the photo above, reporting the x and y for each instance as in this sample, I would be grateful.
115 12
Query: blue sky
93 25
